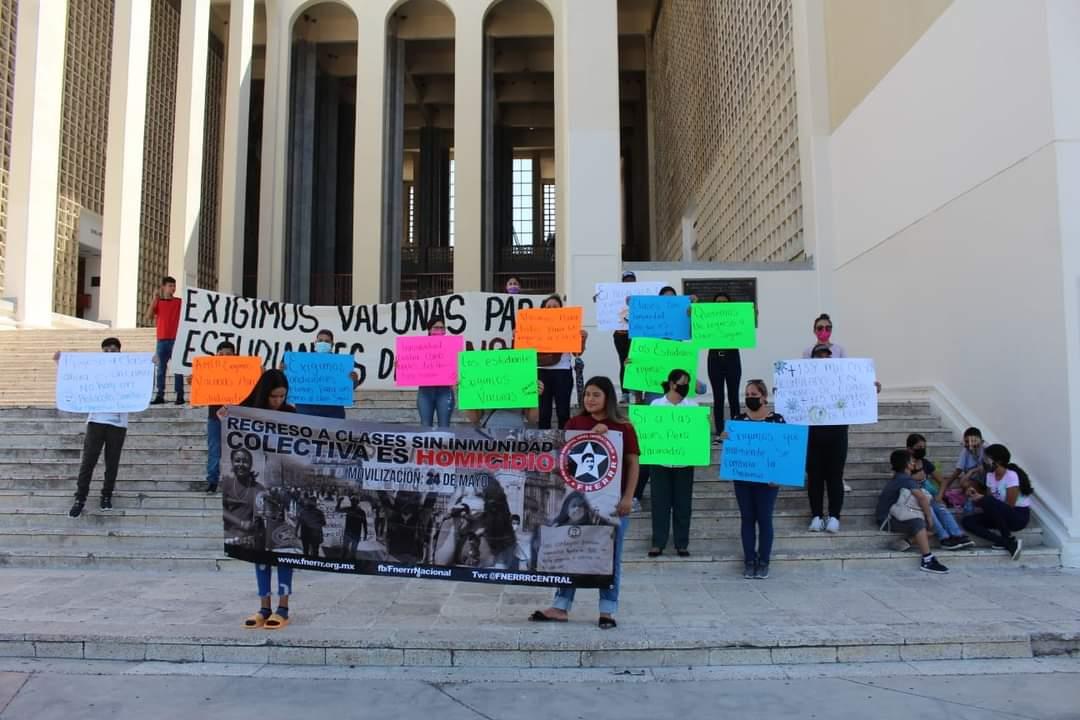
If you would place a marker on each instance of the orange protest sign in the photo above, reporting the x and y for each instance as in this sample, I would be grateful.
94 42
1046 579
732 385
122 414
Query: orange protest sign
224 379
550 330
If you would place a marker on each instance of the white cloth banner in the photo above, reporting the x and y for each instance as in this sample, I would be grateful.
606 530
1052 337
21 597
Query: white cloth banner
368 333
613 302
826 392
103 382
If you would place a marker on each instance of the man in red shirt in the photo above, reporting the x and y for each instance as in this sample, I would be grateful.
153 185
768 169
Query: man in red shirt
165 308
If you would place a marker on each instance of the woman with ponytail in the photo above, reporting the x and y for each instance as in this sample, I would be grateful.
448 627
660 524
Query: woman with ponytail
1005 502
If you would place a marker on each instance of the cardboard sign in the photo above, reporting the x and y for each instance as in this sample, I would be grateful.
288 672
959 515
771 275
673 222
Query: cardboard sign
651 361
764 453
653 316
581 548
612 302
319 378
836 391
224 380
497 379
674 435
101 382
724 325
428 360
550 330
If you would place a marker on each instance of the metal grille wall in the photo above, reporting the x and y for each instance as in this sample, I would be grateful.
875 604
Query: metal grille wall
722 80
8 19
83 133
213 136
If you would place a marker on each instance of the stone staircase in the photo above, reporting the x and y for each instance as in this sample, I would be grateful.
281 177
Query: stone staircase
162 520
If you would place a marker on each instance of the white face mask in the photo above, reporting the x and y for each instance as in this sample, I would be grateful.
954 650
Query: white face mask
323 347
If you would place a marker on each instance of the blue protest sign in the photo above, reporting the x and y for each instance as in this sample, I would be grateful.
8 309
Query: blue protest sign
765 453
319 378
660 316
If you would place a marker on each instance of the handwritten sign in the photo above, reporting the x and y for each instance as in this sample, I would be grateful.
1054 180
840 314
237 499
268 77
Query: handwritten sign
675 435
724 325
826 392
652 316
497 379
551 330
651 361
104 382
319 378
223 380
764 453
612 302
576 548
428 360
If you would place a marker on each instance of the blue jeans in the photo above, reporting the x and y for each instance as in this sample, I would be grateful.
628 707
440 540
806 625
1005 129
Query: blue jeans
284 577
164 355
435 400
756 503
609 597
945 524
324 411
213 450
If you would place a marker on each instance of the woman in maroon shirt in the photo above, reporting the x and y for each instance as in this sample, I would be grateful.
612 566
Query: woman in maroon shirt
601 414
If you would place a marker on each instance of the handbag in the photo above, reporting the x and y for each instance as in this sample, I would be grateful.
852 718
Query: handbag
906 507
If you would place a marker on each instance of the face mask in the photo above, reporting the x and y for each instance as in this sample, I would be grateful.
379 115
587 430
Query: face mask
823 335
681 390
919 453
513 290
437 331
323 347
753 404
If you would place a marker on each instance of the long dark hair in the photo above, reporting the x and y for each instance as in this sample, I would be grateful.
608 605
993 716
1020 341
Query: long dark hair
498 523
1000 455
271 380
611 406
563 517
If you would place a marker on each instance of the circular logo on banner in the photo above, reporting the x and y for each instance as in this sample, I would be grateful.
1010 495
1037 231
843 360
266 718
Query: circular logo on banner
588 462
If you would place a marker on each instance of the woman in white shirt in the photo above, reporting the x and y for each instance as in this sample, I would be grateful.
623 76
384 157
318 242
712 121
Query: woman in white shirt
1005 504
672 487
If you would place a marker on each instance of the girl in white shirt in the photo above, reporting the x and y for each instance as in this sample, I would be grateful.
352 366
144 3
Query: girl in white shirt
672 487
1005 503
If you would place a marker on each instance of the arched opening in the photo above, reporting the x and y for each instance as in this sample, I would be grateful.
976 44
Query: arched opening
519 146
420 150
321 140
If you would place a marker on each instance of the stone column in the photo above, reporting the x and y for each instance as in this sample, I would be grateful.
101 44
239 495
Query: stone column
235 147
274 149
35 159
468 147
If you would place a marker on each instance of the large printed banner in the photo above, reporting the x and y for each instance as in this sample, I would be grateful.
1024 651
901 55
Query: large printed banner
521 507
368 333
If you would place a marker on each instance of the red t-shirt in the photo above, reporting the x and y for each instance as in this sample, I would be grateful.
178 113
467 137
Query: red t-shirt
629 437
168 317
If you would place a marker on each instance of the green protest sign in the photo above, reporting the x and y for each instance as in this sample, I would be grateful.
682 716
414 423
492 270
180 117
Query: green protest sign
651 360
723 325
673 434
497 379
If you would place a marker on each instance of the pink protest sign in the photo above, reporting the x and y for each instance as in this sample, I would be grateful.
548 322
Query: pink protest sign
427 360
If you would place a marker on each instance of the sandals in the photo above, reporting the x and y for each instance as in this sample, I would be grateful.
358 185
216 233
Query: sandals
539 616
607 623
255 622
276 622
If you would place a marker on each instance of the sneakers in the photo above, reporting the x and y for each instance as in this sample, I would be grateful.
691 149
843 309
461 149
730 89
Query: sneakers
1015 546
76 509
106 502
931 565
159 400
832 525
956 543
635 505
762 572
749 571
211 488
817 525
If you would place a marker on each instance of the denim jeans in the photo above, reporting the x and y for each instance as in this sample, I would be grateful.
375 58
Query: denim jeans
609 597
756 503
213 450
432 401
284 578
164 355
945 524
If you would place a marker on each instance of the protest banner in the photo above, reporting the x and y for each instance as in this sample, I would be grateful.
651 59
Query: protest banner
613 302
724 325
764 452
826 392
549 330
366 333
223 380
319 378
427 360
654 316
676 435
651 361
104 382
497 379
524 507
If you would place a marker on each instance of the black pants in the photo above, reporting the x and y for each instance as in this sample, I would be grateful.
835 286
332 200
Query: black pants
311 544
642 481
672 505
558 386
997 521
98 436
826 455
725 371
622 347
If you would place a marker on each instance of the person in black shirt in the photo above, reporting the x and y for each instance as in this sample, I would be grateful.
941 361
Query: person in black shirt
356 529
725 372
213 432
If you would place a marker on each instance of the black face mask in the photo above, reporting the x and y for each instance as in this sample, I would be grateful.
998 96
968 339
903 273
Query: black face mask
919 453
753 404
681 390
